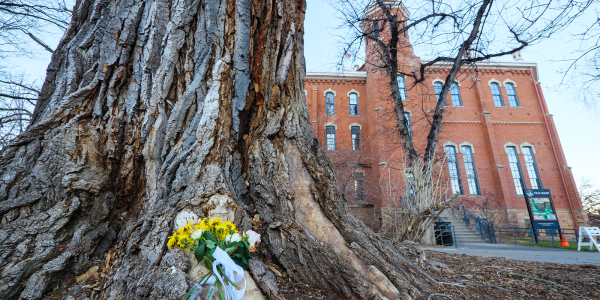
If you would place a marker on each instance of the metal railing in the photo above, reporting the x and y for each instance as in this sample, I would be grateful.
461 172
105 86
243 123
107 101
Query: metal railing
512 234
443 231
485 229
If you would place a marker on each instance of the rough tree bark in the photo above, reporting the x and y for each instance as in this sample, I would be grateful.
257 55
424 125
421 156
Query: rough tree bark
154 107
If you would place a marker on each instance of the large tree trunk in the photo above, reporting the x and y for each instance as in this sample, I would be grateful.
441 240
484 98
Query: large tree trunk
154 107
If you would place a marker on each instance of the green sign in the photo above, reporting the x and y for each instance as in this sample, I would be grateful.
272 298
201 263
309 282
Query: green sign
541 209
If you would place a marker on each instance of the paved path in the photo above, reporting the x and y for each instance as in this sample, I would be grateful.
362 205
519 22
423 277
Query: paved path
524 253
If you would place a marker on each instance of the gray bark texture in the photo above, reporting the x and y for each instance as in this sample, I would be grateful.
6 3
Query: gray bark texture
153 107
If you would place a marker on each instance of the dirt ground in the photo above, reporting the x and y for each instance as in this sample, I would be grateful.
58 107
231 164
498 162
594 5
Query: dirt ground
496 279
474 277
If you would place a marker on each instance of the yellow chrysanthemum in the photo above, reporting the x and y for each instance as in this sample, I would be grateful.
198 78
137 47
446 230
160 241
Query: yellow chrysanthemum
172 240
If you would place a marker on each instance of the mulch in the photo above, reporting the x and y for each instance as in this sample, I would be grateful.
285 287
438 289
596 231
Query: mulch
474 277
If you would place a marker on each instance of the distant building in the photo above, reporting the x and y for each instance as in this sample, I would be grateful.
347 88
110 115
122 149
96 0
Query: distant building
496 134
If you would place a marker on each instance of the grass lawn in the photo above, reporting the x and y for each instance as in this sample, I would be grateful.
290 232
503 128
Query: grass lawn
547 244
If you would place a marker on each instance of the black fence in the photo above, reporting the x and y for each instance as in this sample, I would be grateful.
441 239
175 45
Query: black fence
511 235
445 234
485 229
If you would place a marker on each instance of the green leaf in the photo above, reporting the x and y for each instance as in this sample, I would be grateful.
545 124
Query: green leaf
231 246
210 244
199 253
209 237
241 263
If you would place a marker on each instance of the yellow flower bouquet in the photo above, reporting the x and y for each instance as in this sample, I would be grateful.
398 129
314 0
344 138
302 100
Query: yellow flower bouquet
225 253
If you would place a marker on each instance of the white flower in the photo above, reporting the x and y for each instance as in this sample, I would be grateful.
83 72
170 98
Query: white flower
236 237
253 238
197 234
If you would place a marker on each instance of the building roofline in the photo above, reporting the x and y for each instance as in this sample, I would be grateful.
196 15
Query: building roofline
336 74
348 74
516 64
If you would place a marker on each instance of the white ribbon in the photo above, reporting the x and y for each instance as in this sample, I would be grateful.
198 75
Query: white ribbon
231 270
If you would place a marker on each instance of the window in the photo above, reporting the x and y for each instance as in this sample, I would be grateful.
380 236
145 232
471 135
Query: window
515 168
355 131
354 104
402 87
512 94
454 171
359 187
472 180
376 29
496 94
330 104
438 89
534 175
330 138
455 93
409 124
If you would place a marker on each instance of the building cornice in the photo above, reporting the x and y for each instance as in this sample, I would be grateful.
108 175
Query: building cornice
336 75
494 65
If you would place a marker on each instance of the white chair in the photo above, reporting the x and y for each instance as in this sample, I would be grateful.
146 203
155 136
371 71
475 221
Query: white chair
592 233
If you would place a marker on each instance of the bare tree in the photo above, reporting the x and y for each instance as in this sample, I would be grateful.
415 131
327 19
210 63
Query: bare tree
23 22
590 196
155 109
17 101
583 71
25 26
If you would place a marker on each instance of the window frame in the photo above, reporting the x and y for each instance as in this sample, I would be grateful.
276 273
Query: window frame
355 139
469 162
330 104
497 97
456 98
514 94
518 171
437 86
330 129
355 104
402 87
536 183
376 28
359 186
454 181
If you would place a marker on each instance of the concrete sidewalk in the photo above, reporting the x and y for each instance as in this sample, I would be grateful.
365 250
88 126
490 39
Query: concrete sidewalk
525 253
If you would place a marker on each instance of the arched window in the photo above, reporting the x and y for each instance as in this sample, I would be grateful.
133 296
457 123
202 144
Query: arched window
329 104
496 94
534 175
472 180
454 171
455 93
515 168
409 124
402 87
355 131
354 104
512 94
330 138
438 89
359 186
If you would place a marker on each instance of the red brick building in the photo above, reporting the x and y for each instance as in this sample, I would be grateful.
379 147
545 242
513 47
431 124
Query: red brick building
497 135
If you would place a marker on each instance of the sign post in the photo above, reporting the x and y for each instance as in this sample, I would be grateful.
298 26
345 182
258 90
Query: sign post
541 211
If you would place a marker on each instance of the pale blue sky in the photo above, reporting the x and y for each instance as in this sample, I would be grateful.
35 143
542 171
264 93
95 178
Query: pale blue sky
578 126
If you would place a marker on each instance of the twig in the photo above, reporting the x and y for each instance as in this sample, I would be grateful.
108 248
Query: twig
452 283
474 284
539 279
441 295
